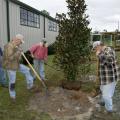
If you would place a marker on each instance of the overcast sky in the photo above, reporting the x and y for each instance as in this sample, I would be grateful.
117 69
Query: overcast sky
103 14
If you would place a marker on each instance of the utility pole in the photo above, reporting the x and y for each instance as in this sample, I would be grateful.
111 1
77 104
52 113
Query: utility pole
118 25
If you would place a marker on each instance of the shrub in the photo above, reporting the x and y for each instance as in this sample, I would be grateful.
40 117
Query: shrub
51 49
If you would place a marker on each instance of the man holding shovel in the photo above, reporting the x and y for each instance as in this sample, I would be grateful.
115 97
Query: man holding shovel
40 53
11 62
108 73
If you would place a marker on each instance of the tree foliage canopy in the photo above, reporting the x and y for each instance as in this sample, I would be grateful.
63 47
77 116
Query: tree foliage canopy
72 44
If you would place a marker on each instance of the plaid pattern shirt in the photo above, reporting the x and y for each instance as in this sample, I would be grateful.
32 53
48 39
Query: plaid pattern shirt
107 69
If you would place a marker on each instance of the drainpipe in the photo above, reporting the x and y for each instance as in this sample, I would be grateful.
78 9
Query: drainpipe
8 19
44 28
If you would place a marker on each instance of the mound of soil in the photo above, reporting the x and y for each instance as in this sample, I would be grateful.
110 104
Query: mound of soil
71 85
60 103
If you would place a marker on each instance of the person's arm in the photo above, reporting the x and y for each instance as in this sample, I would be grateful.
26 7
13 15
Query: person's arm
33 49
1 57
1 53
10 54
46 54
102 58
109 56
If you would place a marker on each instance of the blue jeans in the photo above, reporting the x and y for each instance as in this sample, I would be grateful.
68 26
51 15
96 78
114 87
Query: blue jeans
107 94
3 80
39 67
12 79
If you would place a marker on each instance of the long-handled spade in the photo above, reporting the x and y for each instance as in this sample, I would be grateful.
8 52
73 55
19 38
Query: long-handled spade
97 82
44 85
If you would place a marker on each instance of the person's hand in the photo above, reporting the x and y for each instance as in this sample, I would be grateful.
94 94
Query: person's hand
45 61
18 55
20 49
98 50
32 55
97 53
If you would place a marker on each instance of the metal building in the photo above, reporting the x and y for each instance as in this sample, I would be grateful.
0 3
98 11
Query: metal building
17 17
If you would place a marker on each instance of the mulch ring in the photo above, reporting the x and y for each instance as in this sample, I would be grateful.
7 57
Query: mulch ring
60 102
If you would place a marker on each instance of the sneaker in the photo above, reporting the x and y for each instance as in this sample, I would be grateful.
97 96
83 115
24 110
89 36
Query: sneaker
13 99
112 111
109 113
31 88
101 103
35 89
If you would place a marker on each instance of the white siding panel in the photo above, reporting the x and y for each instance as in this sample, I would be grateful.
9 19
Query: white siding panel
31 35
50 35
3 23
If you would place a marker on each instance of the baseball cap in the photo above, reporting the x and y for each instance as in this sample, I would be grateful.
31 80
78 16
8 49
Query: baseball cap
44 40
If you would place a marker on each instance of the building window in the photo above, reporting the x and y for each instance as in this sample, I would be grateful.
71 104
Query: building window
52 26
29 18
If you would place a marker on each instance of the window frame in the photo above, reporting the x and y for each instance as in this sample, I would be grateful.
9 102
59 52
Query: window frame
52 26
33 20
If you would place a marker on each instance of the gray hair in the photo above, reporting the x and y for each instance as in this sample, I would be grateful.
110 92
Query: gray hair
21 37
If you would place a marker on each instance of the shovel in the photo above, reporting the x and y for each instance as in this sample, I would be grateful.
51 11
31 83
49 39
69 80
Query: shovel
36 74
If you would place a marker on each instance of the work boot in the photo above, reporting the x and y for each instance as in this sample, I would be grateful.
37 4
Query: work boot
13 99
101 103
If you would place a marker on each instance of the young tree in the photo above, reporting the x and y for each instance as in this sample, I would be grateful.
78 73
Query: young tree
72 44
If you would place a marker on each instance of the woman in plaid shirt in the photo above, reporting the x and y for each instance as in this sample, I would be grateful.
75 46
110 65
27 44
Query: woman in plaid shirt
108 72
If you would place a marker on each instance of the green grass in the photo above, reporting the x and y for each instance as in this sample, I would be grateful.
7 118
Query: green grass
53 74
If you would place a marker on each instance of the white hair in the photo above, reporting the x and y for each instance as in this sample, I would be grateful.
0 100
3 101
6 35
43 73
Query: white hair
21 37
96 43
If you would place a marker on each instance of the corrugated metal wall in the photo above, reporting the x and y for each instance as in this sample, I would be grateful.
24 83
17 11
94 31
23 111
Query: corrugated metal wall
50 35
31 35
3 23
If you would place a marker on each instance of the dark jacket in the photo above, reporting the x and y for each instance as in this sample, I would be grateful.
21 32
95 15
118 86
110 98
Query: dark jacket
1 54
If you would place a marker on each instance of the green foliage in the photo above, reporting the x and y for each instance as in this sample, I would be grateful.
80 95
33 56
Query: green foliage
51 49
45 12
72 44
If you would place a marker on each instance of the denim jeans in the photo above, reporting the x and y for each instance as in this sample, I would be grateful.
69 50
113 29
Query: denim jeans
107 94
12 79
39 67
3 78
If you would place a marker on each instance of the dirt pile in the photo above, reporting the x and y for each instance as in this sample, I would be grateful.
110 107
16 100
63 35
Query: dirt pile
60 103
